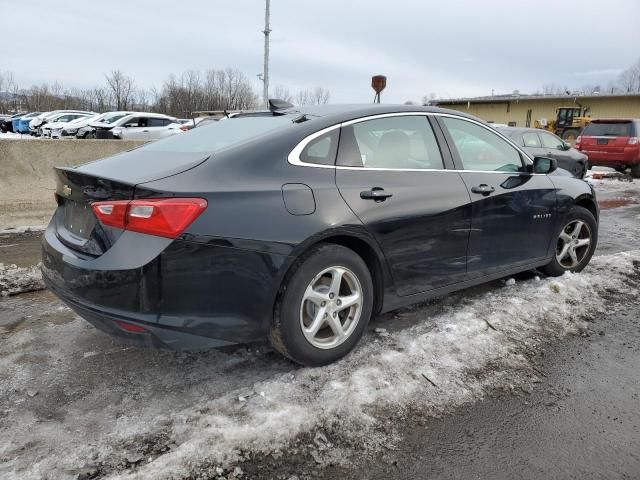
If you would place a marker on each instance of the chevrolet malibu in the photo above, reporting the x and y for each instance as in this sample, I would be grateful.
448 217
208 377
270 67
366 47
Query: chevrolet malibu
300 224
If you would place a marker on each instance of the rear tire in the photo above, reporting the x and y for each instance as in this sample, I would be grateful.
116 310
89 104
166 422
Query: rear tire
575 243
635 171
323 307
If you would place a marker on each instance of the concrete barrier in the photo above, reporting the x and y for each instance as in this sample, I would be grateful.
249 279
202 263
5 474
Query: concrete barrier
27 179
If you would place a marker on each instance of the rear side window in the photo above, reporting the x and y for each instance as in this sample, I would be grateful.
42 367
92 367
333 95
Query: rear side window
321 150
551 141
158 122
390 143
531 140
609 129
482 150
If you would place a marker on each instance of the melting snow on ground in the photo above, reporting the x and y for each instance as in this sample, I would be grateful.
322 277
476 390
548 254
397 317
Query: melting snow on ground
14 279
167 416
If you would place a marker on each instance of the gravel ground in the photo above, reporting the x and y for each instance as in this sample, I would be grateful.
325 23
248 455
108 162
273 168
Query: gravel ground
76 404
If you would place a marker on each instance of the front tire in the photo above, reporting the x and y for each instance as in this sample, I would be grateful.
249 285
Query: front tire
635 171
575 243
324 306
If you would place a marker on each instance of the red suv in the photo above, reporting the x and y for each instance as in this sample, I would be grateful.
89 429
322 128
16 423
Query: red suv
612 143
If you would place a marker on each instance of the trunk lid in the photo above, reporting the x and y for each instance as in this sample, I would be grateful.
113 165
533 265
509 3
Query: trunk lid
607 136
114 178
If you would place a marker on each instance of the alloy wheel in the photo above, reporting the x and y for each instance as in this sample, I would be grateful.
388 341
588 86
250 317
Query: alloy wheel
331 307
573 244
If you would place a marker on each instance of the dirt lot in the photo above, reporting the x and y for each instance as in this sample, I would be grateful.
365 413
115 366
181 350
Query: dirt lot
531 379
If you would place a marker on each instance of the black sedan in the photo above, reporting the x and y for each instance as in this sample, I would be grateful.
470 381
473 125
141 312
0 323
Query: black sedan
538 143
299 224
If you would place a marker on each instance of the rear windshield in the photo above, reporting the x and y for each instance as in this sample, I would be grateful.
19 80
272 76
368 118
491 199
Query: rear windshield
609 129
219 135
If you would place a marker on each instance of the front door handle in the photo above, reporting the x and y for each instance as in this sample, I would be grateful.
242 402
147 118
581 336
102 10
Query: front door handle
376 194
483 189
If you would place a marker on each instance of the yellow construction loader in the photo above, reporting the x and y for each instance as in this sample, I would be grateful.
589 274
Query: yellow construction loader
568 123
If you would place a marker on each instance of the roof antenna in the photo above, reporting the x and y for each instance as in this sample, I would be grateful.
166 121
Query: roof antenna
276 104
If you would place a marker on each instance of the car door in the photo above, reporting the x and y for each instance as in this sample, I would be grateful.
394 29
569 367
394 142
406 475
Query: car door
391 172
156 128
136 129
554 147
513 210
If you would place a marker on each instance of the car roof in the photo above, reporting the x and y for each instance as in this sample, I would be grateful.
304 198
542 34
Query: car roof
522 130
151 115
615 120
332 114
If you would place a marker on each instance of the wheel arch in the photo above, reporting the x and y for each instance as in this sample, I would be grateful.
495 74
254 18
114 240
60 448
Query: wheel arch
588 202
363 245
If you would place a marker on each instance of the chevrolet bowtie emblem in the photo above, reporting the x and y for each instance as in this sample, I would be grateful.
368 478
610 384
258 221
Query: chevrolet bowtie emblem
66 190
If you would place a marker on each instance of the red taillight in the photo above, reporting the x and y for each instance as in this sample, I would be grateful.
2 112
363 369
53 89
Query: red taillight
163 217
130 327
578 140
111 213
184 129
633 141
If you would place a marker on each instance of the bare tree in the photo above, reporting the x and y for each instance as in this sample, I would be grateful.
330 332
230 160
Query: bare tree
121 88
320 96
282 93
313 96
629 79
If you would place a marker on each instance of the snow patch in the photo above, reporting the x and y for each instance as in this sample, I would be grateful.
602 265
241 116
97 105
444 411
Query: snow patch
15 280
450 355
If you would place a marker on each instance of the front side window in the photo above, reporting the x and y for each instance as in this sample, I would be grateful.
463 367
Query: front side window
321 150
480 149
531 140
551 141
393 142
133 122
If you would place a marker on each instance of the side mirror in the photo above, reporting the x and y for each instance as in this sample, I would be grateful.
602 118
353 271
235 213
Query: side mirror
565 146
544 165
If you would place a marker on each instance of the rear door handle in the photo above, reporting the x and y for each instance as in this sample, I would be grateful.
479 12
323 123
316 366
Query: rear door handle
483 189
376 194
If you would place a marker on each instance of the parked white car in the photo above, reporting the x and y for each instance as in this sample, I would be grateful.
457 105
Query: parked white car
102 122
57 121
146 126
62 129
44 117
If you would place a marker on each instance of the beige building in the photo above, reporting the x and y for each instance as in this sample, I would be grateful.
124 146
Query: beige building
524 110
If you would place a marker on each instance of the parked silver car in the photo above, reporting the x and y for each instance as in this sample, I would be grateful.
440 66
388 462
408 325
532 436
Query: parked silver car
540 143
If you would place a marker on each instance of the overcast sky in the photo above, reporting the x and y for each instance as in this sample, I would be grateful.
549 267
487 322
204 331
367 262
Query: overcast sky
452 48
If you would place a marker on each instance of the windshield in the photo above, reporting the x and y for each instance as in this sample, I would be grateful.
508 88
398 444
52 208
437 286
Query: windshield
221 134
114 118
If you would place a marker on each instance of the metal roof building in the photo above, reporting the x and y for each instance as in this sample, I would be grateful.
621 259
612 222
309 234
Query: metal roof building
522 110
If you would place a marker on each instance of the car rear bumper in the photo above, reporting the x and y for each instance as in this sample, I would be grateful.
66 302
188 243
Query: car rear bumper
188 296
612 159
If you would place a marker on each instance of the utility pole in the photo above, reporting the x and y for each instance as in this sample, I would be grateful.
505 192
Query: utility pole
265 74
